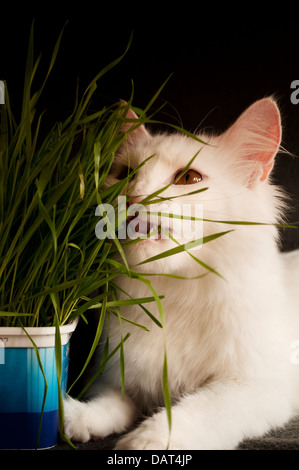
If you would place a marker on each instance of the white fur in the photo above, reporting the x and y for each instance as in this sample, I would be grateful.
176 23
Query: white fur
228 338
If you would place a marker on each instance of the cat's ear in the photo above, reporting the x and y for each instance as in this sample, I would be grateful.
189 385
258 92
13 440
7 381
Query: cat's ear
132 119
255 138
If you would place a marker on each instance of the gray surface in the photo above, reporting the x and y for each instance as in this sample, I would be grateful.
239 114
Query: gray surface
285 438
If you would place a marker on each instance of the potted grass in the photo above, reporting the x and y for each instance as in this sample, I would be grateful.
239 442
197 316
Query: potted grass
53 268
50 259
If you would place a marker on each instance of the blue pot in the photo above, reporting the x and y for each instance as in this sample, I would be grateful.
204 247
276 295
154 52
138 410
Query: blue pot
22 386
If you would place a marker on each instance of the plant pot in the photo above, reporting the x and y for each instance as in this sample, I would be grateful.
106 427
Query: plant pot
22 386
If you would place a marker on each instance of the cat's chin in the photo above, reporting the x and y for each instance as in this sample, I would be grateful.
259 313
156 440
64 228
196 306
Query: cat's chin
152 246
138 254
145 249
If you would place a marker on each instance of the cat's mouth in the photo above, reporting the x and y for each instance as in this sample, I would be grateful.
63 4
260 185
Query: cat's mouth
145 230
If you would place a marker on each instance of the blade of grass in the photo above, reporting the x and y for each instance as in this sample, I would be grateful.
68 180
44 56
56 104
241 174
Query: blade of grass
98 334
45 382
104 361
152 317
121 317
58 361
166 395
204 265
184 247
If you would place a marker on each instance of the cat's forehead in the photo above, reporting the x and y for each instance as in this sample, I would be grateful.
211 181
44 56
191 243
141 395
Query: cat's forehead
169 149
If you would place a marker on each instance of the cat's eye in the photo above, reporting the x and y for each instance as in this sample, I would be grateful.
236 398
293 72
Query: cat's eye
190 177
123 172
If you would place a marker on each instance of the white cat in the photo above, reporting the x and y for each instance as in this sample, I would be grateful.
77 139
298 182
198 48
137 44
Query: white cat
228 339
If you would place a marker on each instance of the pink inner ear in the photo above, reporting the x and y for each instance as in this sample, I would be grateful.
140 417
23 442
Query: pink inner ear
267 171
256 137
272 135
131 114
139 131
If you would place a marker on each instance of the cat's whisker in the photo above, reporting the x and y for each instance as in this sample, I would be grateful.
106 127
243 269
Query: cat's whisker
204 130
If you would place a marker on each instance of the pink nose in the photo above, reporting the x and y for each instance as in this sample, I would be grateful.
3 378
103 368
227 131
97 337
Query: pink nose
135 200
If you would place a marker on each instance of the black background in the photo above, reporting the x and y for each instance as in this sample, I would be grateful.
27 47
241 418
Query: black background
222 59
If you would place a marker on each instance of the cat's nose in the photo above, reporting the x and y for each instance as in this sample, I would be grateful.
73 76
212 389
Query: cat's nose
135 200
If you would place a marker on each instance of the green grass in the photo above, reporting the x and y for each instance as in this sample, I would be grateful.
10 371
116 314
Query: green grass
50 259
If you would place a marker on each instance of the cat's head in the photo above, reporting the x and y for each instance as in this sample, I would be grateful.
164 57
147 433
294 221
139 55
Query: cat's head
234 167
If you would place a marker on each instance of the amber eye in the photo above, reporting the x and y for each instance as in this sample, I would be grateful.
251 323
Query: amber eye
190 177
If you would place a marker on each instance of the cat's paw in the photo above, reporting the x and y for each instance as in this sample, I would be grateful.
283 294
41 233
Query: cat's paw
152 434
98 418
76 420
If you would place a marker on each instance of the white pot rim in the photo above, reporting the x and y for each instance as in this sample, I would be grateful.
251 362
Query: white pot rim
43 336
